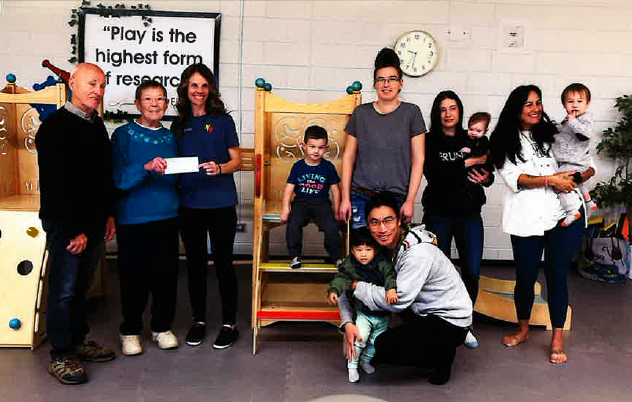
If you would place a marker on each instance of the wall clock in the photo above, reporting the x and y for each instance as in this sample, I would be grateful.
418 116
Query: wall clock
418 53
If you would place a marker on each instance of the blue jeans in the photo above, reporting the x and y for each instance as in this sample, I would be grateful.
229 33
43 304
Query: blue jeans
358 205
559 245
69 279
468 235
370 326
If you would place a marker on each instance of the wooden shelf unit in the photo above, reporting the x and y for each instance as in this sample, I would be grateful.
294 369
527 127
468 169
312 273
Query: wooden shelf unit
23 292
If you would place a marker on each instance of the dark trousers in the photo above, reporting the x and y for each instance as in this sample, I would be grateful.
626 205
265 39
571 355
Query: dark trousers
219 224
69 279
428 342
321 212
468 235
559 245
148 264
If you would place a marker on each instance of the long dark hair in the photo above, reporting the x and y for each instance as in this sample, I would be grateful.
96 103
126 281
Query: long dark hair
436 128
214 105
505 139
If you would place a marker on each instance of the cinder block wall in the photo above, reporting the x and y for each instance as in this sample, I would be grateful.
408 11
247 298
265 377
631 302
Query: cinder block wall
311 50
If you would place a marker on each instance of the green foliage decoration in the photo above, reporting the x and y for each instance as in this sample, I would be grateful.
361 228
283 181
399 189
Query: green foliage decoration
104 11
617 144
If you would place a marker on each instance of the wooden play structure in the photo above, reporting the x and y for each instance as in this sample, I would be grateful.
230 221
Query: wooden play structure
22 240
279 292
496 300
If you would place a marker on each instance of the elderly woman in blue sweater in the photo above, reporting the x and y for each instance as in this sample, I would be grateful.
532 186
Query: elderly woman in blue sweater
146 217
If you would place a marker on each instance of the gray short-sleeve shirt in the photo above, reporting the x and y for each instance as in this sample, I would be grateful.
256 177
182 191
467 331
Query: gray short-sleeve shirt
384 157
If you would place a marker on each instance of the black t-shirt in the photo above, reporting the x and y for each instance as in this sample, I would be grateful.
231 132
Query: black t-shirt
313 182
449 192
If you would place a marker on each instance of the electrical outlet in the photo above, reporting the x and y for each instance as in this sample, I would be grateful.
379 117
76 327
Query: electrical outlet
513 36
457 33
240 228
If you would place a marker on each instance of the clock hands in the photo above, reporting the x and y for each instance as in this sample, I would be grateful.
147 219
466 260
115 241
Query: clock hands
412 60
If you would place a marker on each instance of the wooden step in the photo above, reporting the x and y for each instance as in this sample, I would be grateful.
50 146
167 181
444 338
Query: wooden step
306 267
298 312
272 217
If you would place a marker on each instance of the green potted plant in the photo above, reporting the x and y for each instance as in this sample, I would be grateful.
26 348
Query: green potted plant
617 144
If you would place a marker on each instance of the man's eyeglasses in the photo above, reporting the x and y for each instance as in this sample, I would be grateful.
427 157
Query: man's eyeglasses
149 101
386 80
388 222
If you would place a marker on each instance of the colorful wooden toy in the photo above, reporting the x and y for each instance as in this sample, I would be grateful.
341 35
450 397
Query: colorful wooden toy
23 242
279 292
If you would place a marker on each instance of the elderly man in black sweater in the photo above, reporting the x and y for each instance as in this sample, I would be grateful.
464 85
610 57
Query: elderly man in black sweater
77 202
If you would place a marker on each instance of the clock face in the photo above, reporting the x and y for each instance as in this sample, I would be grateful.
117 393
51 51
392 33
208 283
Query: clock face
417 52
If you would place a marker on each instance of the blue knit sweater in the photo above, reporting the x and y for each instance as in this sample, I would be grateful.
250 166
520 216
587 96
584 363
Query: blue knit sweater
144 196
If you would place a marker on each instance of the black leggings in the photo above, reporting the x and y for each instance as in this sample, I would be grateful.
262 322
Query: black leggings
148 258
559 245
219 223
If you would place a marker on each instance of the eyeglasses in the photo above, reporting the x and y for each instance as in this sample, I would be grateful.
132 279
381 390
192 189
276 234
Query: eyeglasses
386 80
149 101
388 222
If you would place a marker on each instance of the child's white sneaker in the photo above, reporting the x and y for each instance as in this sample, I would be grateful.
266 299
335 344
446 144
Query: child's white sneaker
296 263
130 345
354 375
366 366
470 340
165 340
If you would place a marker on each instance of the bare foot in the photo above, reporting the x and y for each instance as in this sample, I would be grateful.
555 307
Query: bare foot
558 356
515 339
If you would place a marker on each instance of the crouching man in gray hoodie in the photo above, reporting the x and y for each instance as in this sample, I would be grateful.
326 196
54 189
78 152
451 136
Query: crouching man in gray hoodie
433 301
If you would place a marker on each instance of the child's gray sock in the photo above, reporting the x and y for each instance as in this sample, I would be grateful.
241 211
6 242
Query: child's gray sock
571 217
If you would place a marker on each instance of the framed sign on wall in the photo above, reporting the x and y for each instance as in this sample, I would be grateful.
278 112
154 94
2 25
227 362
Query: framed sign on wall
132 46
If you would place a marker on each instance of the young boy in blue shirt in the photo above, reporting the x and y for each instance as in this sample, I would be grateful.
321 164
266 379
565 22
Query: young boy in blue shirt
310 180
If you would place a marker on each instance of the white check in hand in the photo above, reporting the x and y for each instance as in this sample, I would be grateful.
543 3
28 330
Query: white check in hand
182 165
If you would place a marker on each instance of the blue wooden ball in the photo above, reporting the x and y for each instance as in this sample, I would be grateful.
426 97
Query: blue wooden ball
267 86
260 82
350 90
11 78
357 86
15 323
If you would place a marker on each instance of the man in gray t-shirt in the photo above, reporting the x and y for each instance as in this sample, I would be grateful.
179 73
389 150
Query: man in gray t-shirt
384 157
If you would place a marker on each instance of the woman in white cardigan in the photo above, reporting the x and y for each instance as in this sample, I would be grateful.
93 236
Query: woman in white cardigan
521 151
